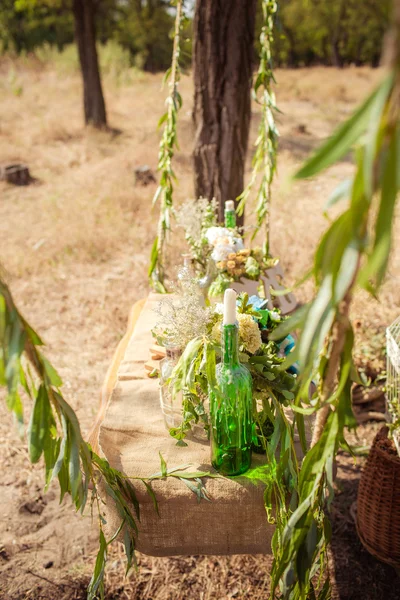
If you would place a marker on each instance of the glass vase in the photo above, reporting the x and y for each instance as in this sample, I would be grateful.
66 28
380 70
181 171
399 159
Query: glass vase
171 405
205 282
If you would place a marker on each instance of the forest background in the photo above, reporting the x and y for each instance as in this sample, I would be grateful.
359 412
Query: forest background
308 32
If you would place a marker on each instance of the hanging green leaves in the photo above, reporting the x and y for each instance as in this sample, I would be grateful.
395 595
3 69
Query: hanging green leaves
354 250
54 433
264 161
168 144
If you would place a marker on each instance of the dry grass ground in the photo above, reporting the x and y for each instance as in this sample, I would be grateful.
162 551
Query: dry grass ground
76 246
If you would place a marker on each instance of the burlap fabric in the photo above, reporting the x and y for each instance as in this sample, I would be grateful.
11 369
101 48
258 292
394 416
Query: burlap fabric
131 437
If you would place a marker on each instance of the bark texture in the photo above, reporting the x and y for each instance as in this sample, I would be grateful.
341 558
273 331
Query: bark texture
85 33
222 60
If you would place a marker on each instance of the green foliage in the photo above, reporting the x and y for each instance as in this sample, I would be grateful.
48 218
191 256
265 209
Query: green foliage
145 30
307 31
333 33
264 161
139 28
168 144
354 251
25 26
54 433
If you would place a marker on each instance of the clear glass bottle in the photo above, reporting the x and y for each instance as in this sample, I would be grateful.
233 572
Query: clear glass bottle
230 214
186 270
231 407
205 282
171 406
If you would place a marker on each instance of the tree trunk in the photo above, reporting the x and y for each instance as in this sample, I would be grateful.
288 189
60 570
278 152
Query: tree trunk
222 60
85 32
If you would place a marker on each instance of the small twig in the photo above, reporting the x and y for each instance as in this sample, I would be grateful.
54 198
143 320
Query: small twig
59 585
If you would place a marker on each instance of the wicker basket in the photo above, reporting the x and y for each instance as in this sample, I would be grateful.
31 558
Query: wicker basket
378 503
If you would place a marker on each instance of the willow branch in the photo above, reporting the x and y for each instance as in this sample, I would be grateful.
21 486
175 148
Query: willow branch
338 338
173 85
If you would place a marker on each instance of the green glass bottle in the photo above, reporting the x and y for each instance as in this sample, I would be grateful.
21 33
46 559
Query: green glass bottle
231 405
230 214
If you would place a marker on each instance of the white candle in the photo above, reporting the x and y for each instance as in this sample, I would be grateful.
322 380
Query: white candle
229 307
229 205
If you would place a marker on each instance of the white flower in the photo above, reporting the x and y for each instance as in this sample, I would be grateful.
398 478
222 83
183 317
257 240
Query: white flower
222 251
238 243
214 233
219 308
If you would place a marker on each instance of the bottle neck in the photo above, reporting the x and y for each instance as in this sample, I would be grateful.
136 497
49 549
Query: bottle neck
173 353
187 260
230 219
230 345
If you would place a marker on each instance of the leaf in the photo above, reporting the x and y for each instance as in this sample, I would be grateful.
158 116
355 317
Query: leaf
12 371
181 443
50 454
74 463
194 474
132 496
199 490
116 534
152 495
62 449
33 336
341 141
51 373
167 75
343 190
164 469
295 321
97 581
153 257
162 120
210 365
305 553
40 424
129 545
63 479
375 126
384 222
320 315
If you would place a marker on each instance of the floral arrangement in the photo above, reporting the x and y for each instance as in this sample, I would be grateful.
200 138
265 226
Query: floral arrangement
248 263
222 247
272 385
183 314
197 217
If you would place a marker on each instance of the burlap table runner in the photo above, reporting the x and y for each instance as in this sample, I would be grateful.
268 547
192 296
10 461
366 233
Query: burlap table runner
131 437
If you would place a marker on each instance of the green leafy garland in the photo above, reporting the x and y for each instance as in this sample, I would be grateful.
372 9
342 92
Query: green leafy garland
348 256
266 145
54 433
168 144
264 160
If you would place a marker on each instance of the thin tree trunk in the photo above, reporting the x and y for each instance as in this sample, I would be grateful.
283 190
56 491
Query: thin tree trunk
85 32
222 60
